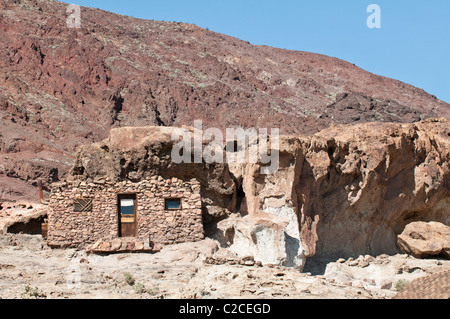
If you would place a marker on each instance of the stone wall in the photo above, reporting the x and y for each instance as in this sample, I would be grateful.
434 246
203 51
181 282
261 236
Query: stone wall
68 228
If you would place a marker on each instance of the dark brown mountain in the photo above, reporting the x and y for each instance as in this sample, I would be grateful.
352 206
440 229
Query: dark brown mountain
61 88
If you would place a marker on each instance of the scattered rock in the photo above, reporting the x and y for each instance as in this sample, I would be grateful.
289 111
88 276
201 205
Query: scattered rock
6 267
363 264
369 259
386 285
306 291
371 282
352 262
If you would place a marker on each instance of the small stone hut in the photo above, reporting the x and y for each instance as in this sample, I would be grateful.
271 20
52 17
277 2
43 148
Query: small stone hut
126 194
107 216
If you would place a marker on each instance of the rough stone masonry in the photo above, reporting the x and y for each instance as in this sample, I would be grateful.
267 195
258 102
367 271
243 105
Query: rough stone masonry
68 228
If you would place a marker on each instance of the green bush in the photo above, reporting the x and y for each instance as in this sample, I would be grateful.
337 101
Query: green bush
129 279
401 284
140 288
32 293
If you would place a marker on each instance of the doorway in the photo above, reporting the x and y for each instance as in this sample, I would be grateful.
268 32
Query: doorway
127 215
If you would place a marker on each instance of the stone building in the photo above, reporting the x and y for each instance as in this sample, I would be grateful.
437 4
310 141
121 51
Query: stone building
107 216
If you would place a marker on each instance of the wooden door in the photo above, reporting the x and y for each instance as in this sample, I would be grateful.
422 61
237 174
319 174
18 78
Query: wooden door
127 216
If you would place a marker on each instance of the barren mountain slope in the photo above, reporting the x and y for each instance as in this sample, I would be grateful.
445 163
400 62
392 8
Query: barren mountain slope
61 88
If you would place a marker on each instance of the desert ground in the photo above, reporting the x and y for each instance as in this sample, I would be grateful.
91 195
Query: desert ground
30 269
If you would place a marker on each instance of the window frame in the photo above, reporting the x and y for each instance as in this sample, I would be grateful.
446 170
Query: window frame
180 207
83 205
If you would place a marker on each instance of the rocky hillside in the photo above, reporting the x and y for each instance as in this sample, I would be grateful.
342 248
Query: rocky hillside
61 88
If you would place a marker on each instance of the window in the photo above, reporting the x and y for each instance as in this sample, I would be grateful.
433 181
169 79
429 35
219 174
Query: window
127 206
173 204
82 205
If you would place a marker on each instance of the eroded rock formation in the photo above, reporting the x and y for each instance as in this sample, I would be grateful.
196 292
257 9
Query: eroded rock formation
345 191
22 217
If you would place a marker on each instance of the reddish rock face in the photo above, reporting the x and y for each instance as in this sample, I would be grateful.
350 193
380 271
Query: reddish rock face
61 88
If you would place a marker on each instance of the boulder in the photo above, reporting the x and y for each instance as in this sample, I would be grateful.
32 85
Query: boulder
421 240
262 237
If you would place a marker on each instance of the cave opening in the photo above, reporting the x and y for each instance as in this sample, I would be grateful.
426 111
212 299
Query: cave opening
240 201
31 227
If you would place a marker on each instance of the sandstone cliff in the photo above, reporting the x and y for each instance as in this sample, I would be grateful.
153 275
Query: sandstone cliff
345 191
355 188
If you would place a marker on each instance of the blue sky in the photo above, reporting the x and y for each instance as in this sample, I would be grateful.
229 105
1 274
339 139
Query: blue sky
412 45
